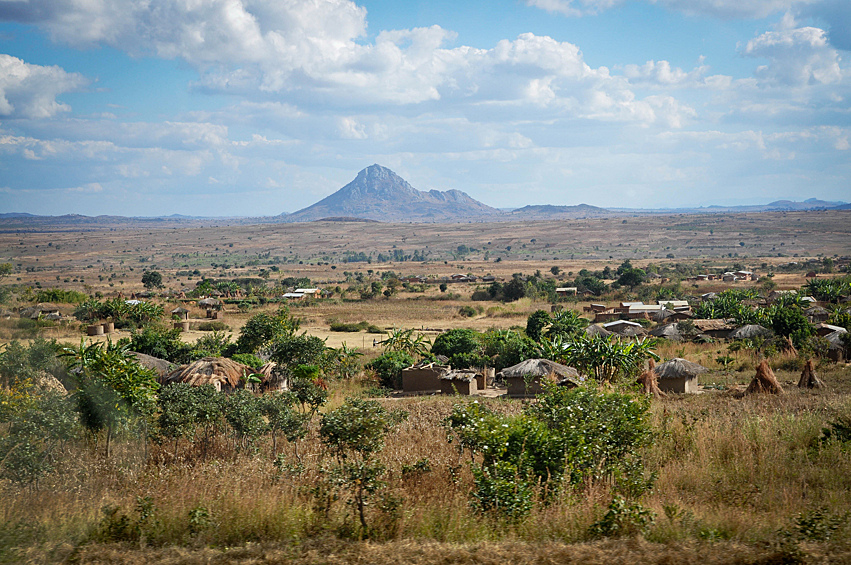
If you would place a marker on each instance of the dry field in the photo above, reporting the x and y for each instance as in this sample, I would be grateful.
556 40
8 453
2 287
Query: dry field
732 475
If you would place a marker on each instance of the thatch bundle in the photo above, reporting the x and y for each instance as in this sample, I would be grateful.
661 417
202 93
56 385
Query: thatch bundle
764 381
44 381
648 382
787 347
809 378
223 373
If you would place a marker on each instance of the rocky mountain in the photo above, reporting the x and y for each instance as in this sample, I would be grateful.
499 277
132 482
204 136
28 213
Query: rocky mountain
377 193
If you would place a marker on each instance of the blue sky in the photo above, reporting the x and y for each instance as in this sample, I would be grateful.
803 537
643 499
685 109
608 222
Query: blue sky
257 107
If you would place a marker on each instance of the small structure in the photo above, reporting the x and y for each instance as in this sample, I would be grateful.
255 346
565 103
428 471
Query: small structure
679 375
836 351
525 378
668 331
272 379
95 329
160 366
310 292
182 325
624 327
817 314
210 303
566 291
459 382
293 295
223 373
715 328
593 329
750 331
181 313
825 330
423 378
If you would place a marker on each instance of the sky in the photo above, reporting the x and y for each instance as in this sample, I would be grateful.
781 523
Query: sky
258 107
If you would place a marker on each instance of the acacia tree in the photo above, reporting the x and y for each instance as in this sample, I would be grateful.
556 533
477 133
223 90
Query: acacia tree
152 279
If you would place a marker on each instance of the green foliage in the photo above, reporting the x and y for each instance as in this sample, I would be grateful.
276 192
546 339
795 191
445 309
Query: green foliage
217 344
289 351
113 390
248 359
623 519
344 361
791 322
37 430
263 328
355 433
309 390
828 290
565 324
515 289
117 309
349 327
388 367
578 434
190 412
504 348
59 295
536 322
631 277
462 346
161 342
281 418
467 311
152 279
406 341
19 362
607 358
243 412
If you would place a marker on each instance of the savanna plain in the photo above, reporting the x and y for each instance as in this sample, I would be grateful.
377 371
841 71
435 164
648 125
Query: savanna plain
101 462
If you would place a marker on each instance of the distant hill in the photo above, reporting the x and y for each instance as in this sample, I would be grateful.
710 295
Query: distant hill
548 212
377 193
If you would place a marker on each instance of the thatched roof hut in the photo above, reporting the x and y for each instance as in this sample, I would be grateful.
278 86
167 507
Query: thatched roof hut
209 303
223 373
836 350
525 378
679 375
540 368
764 381
668 331
593 330
160 366
750 331
273 378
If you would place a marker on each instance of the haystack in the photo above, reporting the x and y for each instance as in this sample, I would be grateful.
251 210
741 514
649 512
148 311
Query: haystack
223 373
679 375
764 381
787 347
809 378
46 382
648 382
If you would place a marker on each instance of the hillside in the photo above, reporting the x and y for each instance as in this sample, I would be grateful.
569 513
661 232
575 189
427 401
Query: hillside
377 193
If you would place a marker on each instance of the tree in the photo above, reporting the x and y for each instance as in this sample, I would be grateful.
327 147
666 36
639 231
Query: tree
152 279
515 289
443 287
5 270
355 434
555 270
536 322
261 329
631 277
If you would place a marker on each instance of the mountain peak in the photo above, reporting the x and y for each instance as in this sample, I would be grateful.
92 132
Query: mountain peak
378 193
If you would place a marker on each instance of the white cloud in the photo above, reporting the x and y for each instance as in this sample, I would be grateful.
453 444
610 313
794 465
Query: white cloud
30 91
797 57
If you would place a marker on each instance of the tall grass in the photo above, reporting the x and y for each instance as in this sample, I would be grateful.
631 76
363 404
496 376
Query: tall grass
727 469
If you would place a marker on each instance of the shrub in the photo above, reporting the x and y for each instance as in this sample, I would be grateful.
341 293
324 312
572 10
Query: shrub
248 359
263 328
467 311
215 326
623 519
388 367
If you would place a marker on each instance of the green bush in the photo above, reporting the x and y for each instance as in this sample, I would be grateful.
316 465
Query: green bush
467 312
388 368
215 326
248 359
349 327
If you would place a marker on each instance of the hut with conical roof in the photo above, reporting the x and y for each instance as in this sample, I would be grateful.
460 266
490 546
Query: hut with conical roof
525 378
750 331
223 373
679 375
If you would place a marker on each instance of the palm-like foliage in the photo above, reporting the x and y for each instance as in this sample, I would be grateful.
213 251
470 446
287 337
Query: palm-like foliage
406 341
607 358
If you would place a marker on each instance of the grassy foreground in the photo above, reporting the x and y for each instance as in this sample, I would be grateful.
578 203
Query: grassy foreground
737 481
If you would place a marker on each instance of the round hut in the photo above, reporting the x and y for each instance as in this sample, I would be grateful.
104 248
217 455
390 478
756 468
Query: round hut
668 331
678 375
750 331
594 330
525 378
223 373
160 366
